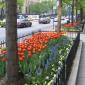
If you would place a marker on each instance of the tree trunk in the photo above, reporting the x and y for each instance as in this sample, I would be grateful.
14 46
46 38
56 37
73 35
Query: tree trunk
59 14
26 6
11 39
72 11
76 10
81 13
2 14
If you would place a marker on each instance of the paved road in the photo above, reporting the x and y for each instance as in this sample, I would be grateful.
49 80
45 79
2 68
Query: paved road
24 31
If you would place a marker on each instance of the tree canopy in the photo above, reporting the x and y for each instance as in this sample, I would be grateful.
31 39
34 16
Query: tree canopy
42 7
20 2
2 4
80 2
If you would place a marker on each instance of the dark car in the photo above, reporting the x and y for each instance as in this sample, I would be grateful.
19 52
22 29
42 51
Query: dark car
23 22
44 19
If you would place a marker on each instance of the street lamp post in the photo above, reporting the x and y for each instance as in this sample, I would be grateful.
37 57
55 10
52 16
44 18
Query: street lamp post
2 10
52 13
69 12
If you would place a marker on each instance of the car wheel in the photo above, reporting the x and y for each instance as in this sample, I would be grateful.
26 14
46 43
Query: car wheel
39 22
30 24
25 25
22 25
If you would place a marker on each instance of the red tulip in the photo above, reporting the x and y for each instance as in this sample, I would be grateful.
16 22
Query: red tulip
4 59
20 59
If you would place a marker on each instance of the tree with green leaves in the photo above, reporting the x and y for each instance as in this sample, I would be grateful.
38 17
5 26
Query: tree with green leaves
19 5
72 3
79 5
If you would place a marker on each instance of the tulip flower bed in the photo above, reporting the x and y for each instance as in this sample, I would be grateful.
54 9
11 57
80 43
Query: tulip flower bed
75 26
40 56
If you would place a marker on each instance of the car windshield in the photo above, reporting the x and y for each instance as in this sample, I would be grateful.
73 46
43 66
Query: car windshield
20 17
42 16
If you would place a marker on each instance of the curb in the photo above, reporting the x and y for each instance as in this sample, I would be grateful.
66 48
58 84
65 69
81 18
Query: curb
74 72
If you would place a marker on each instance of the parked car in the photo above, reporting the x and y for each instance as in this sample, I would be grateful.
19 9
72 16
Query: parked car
44 19
23 22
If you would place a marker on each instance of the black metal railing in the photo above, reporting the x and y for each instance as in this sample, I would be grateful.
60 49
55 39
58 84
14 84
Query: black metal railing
64 73
71 56
3 43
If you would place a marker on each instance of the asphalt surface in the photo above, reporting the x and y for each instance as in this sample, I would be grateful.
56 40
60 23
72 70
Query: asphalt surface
28 30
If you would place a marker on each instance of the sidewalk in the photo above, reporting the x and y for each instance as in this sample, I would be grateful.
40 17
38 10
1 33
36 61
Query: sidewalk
77 76
81 71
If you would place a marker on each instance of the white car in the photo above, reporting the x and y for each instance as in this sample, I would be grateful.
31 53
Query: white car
44 19
21 22
56 19
64 20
